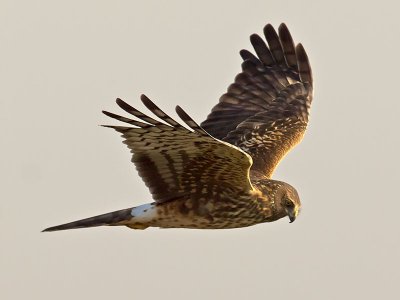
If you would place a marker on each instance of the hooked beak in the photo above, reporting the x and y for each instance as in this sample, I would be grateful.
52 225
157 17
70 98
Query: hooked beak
292 218
292 214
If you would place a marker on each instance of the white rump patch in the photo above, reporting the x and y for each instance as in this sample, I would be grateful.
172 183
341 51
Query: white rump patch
144 213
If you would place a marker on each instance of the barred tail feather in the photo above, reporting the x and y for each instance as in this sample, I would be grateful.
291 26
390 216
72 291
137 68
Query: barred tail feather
119 217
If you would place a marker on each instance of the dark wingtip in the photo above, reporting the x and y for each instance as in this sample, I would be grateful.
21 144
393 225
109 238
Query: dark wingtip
189 121
283 27
268 28
184 116
179 110
254 37
304 64
148 103
144 98
284 33
247 55
119 101
125 106
244 54
257 41
107 113
249 66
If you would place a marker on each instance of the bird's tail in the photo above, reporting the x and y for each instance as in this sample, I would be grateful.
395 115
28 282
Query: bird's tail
119 217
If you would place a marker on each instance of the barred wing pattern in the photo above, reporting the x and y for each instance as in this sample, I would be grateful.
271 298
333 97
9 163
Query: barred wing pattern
175 162
265 111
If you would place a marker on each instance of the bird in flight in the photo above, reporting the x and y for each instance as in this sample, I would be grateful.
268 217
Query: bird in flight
218 174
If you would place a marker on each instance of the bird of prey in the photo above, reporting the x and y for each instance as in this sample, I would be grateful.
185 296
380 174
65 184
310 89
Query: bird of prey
218 174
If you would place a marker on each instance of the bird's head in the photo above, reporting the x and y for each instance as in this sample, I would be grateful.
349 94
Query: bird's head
289 201
286 199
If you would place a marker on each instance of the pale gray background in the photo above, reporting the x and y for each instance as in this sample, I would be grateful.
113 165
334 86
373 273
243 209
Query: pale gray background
63 62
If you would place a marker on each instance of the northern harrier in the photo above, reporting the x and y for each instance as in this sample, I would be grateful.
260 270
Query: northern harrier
218 174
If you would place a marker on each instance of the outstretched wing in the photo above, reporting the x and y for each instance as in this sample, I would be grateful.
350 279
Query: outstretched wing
175 162
265 111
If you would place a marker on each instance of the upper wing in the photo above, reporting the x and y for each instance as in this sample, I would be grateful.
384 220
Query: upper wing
175 162
265 111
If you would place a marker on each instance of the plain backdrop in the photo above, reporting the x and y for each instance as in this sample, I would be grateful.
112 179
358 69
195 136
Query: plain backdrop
62 62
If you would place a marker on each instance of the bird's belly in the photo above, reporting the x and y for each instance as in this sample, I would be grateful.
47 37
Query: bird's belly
204 215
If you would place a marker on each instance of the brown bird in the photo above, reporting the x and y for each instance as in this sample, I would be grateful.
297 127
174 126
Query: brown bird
218 174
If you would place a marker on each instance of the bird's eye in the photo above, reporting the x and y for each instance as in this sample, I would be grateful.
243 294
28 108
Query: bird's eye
289 203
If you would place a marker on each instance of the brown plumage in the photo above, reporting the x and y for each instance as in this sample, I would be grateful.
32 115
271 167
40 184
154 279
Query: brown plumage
218 175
